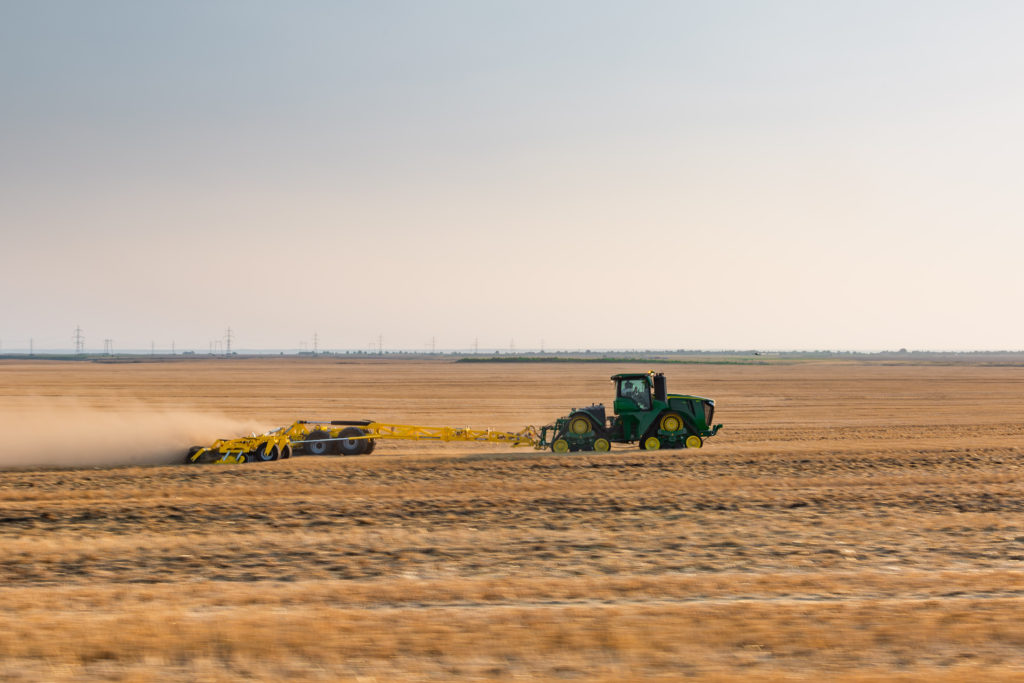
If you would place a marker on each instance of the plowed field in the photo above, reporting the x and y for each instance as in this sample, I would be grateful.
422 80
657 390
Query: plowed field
852 521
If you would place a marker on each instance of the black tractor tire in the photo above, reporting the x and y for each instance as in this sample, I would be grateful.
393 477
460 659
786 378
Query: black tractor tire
349 446
315 446
370 445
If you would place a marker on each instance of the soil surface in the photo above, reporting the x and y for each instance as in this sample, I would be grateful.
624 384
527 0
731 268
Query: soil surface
851 521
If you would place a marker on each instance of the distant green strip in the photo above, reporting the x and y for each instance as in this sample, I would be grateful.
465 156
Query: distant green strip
605 359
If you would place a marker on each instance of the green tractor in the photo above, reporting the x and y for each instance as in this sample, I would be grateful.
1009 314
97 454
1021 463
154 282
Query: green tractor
644 412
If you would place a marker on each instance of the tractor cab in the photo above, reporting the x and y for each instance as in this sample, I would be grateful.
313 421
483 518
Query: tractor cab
632 392
638 397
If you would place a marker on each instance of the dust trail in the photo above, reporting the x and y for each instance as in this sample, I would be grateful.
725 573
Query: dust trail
64 434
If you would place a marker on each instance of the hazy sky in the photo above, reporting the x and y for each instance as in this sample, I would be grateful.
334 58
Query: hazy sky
721 174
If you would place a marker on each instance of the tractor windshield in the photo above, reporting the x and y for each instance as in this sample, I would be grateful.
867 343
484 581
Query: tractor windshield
637 390
709 413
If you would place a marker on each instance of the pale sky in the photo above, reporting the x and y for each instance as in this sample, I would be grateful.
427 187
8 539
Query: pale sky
593 174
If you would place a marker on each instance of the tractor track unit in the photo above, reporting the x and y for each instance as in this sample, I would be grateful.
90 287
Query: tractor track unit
643 413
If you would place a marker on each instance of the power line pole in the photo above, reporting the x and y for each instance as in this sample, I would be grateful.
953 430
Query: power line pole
316 347
79 341
152 348
227 338
108 347
31 347
380 344
476 345
172 347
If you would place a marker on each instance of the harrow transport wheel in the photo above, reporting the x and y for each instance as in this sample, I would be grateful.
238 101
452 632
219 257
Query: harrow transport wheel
348 445
192 451
580 425
316 447
286 452
671 422
694 441
263 454
560 446
370 445
602 445
651 443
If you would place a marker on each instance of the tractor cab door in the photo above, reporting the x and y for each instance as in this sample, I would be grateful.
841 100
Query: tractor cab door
633 394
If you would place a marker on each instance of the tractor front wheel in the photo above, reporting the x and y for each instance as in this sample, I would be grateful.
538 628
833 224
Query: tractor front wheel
671 422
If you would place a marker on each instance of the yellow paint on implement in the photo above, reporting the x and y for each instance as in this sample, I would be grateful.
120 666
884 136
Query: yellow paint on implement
381 430
279 441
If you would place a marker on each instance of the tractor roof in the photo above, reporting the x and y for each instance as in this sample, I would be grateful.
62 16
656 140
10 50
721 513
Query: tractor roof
631 375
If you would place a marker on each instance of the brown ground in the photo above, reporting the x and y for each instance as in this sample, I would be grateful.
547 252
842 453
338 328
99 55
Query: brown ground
852 521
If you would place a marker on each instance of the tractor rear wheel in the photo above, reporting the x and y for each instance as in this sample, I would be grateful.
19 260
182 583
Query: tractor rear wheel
580 425
348 445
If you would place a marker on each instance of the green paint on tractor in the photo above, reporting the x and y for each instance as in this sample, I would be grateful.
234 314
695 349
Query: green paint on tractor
645 413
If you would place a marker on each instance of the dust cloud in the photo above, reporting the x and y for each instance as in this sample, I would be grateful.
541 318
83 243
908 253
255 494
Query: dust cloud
48 434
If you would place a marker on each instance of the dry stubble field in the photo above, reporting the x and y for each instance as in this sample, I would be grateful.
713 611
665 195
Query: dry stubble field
851 521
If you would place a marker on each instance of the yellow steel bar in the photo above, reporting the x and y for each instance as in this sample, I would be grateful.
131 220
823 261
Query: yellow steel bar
381 430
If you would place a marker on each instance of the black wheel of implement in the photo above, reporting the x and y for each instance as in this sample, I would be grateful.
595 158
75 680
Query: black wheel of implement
370 445
350 446
264 454
314 445
286 452
192 451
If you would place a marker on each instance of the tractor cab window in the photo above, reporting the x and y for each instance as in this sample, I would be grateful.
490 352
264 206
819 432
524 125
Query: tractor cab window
637 390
